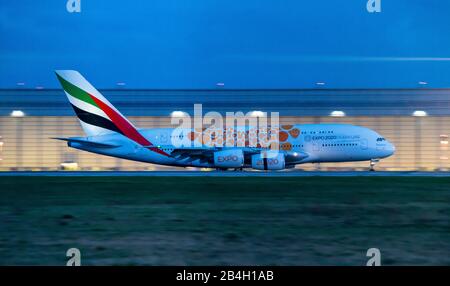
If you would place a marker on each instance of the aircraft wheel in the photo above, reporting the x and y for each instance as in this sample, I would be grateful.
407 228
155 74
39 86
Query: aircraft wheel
373 163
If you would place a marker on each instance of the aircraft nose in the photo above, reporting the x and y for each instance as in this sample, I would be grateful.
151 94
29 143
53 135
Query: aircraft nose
386 150
391 148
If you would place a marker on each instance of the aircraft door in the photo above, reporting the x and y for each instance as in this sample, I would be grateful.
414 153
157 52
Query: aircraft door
364 144
164 138
316 146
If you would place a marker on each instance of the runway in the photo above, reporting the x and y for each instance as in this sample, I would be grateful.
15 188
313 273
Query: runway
223 174
224 220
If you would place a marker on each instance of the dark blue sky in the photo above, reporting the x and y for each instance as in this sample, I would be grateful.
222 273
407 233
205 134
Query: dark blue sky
244 43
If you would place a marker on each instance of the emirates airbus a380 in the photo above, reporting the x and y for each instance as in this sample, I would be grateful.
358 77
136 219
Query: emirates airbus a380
109 133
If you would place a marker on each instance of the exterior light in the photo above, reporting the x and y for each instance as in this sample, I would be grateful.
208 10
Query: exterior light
20 83
420 113
39 87
69 166
257 113
121 84
320 83
423 82
178 114
1 148
337 113
220 84
17 113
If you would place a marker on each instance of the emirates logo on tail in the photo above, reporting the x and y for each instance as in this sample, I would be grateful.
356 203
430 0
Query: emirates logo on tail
96 114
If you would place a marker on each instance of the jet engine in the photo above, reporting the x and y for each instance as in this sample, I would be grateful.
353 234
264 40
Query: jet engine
229 159
268 161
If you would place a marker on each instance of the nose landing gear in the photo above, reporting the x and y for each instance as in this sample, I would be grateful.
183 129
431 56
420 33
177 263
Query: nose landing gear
373 162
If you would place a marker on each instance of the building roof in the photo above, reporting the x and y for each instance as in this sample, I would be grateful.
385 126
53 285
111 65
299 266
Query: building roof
301 102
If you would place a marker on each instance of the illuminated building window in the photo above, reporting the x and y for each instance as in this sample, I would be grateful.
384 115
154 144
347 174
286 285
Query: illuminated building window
1 148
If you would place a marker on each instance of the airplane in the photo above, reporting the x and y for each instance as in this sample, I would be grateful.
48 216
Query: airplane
109 133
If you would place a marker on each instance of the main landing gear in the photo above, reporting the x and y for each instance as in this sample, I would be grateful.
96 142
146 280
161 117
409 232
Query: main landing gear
226 169
221 169
373 162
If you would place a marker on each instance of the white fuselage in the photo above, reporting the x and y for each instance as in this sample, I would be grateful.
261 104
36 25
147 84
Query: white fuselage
321 143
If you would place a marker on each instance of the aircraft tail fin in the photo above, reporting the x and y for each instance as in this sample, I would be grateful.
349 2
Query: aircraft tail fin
96 114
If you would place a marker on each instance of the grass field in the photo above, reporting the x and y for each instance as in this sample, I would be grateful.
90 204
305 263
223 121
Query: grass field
224 221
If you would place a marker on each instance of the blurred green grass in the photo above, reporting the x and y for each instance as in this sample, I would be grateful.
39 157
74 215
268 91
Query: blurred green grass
225 220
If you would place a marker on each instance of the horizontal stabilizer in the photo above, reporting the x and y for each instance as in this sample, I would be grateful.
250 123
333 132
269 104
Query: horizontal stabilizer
86 142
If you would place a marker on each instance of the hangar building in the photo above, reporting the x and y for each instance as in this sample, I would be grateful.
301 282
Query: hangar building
417 121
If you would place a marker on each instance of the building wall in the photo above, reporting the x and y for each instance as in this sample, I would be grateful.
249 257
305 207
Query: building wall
421 142
304 102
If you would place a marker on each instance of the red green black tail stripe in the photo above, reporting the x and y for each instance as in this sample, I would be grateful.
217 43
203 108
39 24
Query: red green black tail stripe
125 127
115 122
96 120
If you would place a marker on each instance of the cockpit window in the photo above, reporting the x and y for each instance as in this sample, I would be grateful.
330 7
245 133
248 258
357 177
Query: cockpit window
380 139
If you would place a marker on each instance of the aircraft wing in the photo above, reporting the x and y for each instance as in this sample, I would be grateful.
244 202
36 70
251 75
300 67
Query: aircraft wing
203 154
206 155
